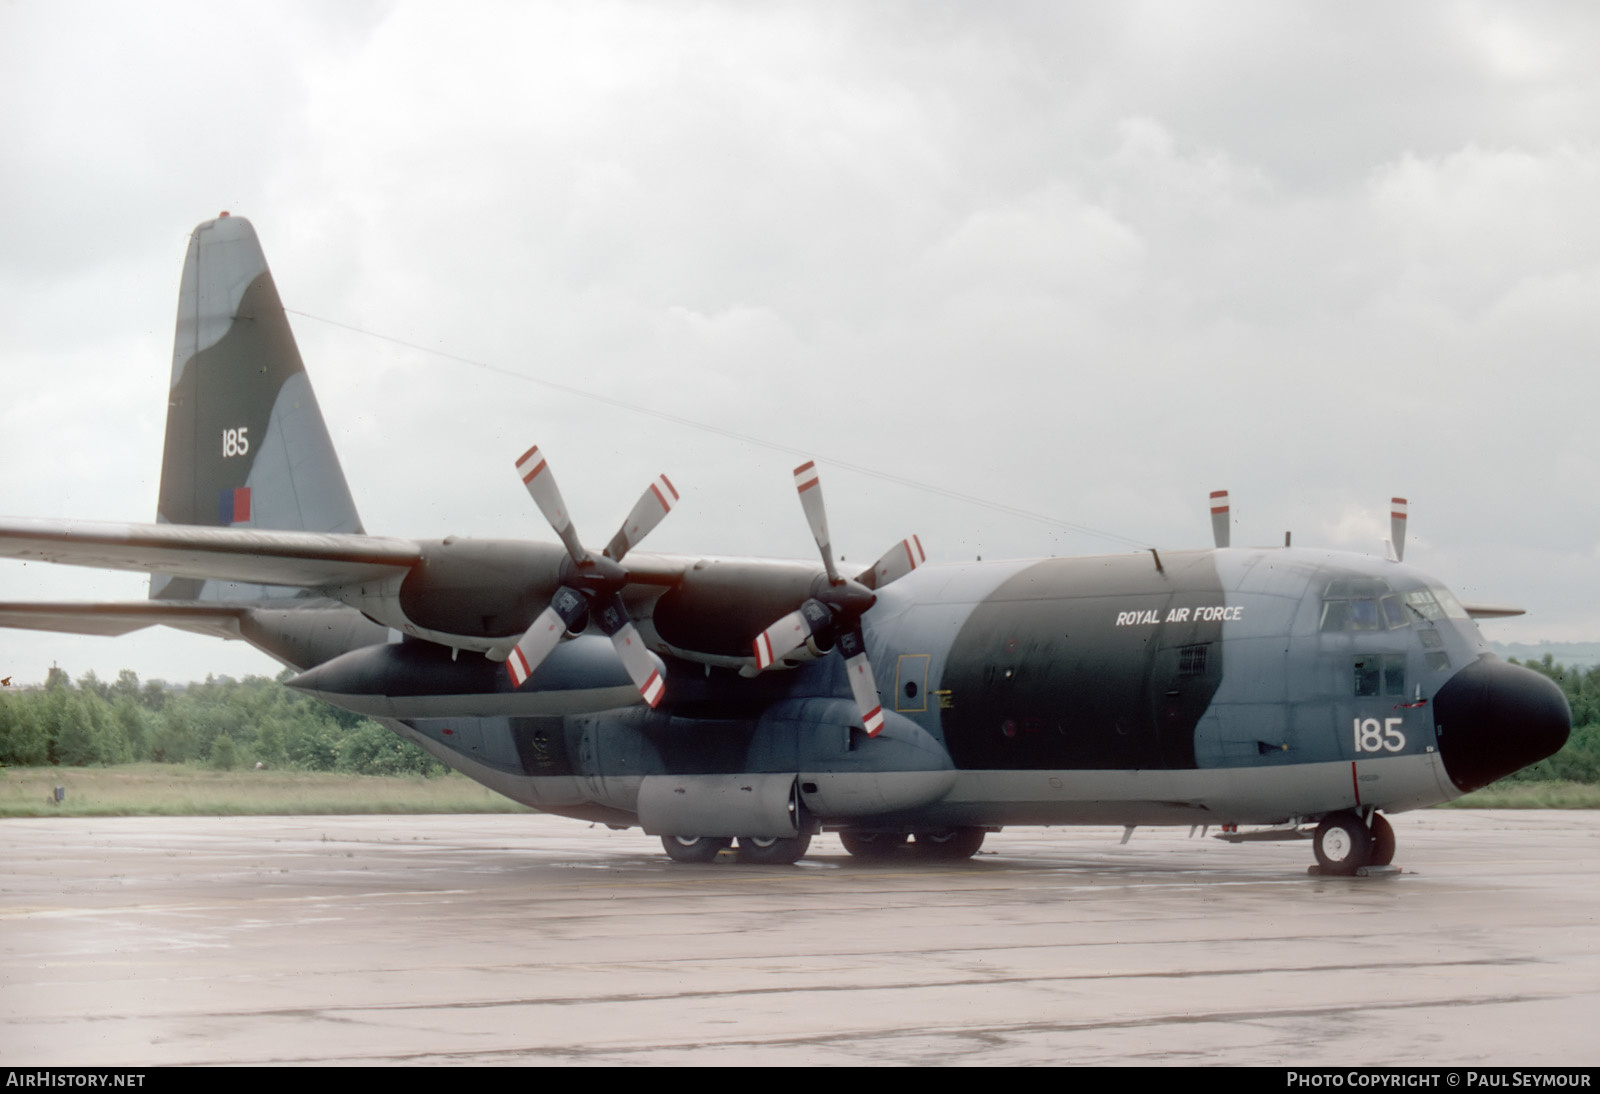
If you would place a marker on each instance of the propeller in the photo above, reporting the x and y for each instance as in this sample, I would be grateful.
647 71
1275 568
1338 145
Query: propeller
1220 529
591 585
834 611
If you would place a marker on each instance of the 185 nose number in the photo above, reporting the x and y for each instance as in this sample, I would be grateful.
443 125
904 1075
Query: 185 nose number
1373 736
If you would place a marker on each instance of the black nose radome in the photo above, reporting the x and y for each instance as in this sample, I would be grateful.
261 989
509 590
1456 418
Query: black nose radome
1493 718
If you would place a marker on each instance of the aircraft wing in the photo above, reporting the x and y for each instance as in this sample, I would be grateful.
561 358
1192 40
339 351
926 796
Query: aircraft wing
308 559
120 617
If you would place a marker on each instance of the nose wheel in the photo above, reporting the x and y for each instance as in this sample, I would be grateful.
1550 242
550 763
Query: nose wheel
1344 843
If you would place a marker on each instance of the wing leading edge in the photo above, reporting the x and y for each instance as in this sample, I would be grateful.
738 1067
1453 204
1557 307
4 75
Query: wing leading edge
304 559
122 617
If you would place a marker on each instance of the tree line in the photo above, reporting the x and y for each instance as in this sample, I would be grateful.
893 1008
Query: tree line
1579 761
224 723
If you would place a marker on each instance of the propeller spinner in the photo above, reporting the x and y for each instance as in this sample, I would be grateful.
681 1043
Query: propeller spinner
591 585
834 613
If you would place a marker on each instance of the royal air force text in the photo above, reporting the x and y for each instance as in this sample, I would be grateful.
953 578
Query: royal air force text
1211 613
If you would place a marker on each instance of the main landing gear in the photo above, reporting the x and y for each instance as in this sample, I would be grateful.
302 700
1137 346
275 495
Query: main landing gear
761 850
941 844
1345 843
694 848
947 844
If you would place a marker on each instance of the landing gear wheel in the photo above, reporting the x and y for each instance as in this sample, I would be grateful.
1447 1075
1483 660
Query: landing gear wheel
694 848
1382 841
950 843
873 846
1343 845
773 850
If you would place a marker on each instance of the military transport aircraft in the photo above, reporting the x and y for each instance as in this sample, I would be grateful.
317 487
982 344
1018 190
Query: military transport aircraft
707 700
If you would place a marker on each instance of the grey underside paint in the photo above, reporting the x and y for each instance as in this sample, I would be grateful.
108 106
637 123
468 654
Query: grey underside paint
997 798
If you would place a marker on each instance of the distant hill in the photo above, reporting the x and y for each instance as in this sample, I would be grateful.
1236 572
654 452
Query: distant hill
1584 655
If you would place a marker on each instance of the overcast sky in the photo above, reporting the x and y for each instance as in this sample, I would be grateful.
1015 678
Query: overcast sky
1091 261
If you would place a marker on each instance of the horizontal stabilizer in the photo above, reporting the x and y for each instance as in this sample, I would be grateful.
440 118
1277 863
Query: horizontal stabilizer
304 559
121 617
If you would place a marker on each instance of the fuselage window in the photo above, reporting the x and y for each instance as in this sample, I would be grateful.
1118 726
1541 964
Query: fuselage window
1394 674
1366 675
1379 674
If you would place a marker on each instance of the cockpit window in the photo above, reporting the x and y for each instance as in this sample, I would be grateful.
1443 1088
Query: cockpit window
1343 588
1361 604
1425 604
1452 607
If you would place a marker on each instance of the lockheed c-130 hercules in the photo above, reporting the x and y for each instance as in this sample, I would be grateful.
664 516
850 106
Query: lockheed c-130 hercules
707 700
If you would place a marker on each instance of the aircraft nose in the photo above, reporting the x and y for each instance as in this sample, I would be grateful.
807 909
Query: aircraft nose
1493 718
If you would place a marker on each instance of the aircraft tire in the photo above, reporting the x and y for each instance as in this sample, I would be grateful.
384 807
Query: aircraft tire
1342 845
1382 841
950 844
872 846
694 848
773 850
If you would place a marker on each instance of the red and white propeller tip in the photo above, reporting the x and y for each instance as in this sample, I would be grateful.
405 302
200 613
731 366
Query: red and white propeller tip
898 561
1398 511
1221 516
653 505
541 484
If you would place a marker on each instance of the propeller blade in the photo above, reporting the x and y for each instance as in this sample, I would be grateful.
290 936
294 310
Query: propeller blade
567 613
654 504
614 620
1221 530
640 665
1397 527
809 485
896 563
534 646
789 633
853 645
541 484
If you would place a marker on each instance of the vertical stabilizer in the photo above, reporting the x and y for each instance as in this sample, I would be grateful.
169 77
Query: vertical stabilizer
246 444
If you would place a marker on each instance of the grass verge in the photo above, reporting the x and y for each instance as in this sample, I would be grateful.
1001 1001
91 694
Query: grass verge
130 790
1540 795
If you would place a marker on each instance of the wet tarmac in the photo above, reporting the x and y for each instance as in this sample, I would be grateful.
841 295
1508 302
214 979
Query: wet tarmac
531 939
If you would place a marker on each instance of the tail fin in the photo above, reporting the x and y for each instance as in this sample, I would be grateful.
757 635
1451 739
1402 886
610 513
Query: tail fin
246 444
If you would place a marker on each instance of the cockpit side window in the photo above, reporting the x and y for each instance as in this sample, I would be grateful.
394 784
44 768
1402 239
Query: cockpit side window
1423 602
1449 604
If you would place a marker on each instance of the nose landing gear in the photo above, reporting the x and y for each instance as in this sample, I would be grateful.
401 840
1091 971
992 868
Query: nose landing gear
1345 843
